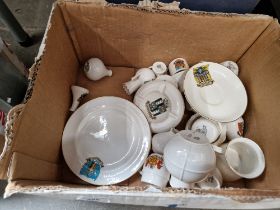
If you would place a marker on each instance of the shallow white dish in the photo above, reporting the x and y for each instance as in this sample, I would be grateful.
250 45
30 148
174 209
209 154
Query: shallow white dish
215 92
106 141
162 104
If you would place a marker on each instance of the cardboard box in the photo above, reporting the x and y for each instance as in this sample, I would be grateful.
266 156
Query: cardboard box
128 37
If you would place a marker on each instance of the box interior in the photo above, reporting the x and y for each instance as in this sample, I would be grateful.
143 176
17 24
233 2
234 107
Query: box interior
127 38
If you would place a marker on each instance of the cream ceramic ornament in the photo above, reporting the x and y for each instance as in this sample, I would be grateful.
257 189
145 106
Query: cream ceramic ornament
214 131
154 171
213 180
95 69
106 141
159 68
189 156
177 65
231 66
235 129
77 95
215 92
142 76
240 158
162 104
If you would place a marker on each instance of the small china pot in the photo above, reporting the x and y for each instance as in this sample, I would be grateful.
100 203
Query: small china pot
213 180
235 129
231 66
159 68
214 131
177 65
154 171
180 77
240 158
95 69
142 76
189 156
78 93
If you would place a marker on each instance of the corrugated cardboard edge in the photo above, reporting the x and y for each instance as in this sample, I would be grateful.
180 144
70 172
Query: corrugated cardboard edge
231 198
129 195
13 118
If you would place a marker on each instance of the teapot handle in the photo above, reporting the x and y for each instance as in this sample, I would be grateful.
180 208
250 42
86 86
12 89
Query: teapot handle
217 149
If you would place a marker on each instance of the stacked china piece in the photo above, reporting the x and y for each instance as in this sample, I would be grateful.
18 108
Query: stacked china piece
108 139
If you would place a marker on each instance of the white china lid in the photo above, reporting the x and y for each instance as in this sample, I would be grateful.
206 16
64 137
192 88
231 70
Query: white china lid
215 92
162 104
106 140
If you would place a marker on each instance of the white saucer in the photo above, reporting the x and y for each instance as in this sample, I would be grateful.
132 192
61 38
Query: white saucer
106 141
162 104
215 92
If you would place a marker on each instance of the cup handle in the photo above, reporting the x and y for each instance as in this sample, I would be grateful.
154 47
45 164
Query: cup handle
217 149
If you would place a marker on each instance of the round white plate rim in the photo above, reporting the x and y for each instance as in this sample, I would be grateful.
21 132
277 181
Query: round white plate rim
143 149
226 119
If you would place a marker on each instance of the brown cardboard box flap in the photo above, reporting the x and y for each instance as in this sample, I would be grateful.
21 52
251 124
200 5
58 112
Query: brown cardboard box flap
126 38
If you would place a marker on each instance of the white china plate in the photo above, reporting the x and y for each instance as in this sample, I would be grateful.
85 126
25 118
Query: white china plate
106 140
162 104
216 92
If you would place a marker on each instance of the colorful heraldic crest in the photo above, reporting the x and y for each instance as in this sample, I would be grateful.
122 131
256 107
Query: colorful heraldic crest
202 76
240 128
157 107
179 65
154 161
91 168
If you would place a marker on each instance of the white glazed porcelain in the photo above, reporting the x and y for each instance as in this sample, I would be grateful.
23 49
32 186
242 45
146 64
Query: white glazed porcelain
77 94
106 140
180 77
213 180
162 104
159 140
189 156
154 171
215 92
241 158
142 76
177 183
235 129
214 131
231 65
177 65
95 69
159 68
168 78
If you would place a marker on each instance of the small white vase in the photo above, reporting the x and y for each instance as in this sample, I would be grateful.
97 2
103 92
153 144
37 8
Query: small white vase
95 69
142 76
78 93
231 65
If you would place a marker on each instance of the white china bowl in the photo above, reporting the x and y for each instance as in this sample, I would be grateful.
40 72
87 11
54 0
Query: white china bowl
215 92
242 158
